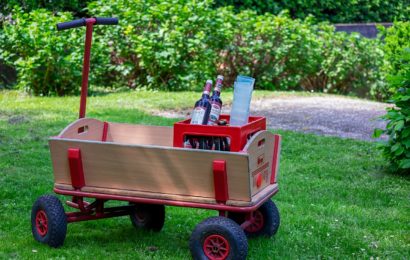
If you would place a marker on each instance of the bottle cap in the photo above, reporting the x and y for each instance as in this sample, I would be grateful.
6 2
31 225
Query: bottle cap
220 77
209 81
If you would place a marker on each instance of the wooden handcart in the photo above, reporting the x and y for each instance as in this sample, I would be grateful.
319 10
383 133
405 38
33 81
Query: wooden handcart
147 167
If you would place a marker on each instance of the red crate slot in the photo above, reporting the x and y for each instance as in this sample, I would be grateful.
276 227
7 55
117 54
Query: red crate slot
237 134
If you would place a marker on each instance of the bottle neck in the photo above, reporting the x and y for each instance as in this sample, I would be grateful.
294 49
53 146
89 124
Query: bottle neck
205 94
218 87
207 89
216 92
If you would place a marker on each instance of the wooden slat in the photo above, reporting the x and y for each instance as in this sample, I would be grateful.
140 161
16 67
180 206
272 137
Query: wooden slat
94 130
158 169
119 133
260 150
140 134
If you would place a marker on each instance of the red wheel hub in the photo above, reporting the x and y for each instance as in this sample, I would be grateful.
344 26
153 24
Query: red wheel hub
41 223
216 247
257 222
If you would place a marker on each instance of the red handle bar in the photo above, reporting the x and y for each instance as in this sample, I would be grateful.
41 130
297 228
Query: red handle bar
88 22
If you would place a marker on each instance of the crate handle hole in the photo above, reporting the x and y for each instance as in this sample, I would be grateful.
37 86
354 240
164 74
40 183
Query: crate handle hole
261 142
83 129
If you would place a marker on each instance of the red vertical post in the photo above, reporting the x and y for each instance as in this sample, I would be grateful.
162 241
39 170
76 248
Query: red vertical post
86 65
76 168
105 132
220 181
276 158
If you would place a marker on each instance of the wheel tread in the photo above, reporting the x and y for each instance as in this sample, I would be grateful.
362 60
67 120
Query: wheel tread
227 225
56 218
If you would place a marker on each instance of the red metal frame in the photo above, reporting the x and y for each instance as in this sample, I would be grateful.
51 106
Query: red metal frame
237 134
95 210
219 207
76 168
86 65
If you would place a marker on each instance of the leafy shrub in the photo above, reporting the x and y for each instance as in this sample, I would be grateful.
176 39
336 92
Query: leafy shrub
397 149
75 6
276 50
177 44
47 61
332 11
347 64
164 44
282 53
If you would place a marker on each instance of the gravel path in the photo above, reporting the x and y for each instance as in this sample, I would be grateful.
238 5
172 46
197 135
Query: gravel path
334 116
322 115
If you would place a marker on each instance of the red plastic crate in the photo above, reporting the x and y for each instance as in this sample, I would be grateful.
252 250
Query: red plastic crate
237 134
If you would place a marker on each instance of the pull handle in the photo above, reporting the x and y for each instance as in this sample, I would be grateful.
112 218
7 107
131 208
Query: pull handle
106 20
83 21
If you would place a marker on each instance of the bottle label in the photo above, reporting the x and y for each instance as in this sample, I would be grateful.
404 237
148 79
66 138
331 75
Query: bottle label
215 112
198 116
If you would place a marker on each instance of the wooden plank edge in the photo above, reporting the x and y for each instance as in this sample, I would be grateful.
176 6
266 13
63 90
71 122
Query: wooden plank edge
262 196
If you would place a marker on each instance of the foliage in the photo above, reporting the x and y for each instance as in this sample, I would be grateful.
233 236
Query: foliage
276 50
396 40
164 44
75 6
282 53
178 44
47 61
155 47
348 64
397 150
333 11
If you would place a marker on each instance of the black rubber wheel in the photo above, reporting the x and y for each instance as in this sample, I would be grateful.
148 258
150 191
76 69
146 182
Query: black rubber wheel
218 238
266 220
148 216
48 221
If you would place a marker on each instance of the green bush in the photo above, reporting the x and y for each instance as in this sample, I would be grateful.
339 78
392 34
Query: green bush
164 44
332 11
47 61
178 44
75 6
276 50
348 64
397 149
282 53
161 44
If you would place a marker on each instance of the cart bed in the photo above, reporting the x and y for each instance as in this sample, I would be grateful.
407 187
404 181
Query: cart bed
139 161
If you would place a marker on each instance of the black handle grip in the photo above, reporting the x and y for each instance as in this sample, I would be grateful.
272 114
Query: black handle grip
106 21
71 24
83 22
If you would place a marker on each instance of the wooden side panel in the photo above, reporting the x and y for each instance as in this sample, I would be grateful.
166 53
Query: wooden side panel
260 150
140 134
92 130
84 129
151 169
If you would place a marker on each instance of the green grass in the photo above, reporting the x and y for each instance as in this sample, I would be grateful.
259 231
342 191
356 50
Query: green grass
335 199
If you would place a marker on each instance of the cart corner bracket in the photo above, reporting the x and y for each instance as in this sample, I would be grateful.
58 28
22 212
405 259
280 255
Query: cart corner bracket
76 168
220 181
276 158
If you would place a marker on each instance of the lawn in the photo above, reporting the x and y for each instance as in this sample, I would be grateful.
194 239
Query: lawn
335 199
